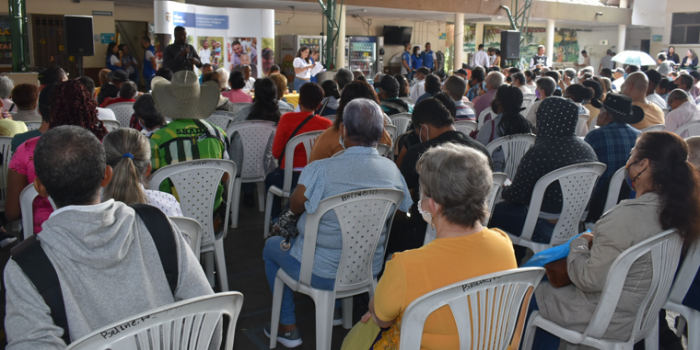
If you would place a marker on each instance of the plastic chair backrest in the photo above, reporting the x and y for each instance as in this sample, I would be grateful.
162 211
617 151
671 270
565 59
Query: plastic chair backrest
665 249
614 189
514 148
196 183
111 125
192 229
383 149
255 135
482 117
407 99
331 117
307 140
391 130
692 129
686 274
657 127
577 182
238 106
527 101
6 150
485 309
187 324
401 121
465 126
26 198
221 119
363 215
498 180
666 111
32 125
286 110
338 154
123 111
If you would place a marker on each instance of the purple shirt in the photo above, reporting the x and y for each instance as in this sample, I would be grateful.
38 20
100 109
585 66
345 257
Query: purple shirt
484 101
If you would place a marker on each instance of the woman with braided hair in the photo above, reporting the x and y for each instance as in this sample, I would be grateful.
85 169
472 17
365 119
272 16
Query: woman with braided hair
70 104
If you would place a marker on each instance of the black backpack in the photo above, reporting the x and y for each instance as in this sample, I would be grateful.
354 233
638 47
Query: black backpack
33 261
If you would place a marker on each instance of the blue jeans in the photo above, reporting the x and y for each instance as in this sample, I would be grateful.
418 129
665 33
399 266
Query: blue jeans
510 217
147 82
276 178
275 259
298 83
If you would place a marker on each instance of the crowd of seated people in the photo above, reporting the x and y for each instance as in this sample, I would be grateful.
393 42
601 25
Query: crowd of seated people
97 180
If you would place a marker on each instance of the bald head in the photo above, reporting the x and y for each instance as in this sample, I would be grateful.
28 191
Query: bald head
494 80
635 86
677 95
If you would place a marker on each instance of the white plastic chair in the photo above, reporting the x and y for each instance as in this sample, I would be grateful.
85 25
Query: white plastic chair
498 180
665 250
408 100
657 127
221 119
692 129
196 182
111 125
527 101
679 290
391 130
307 141
254 135
192 229
486 309
577 182
370 209
482 117
187 324
286 110
6 150
26 198
383 149
401 121
514 148
331 117
666 111
123 111
614 189
32 125
238 106
465 126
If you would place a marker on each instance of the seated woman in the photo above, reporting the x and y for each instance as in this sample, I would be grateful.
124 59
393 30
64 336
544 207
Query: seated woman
70 104
509 121
292 124
281 83
667 197
433 85
329 106
455 182
146 116
127 93
579 93
556 146
360 167
129 154
597 95
236 95
404 88
328 143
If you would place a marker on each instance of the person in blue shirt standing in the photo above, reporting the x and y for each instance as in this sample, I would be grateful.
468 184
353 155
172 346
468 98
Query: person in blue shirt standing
114 57
429 58
416 60
150 66
313 56
406 66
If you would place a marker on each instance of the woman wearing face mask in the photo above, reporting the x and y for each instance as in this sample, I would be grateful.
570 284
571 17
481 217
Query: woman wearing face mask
454 185
667 197
416 60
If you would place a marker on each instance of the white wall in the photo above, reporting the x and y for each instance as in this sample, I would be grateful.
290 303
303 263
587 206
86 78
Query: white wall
590 41
635 37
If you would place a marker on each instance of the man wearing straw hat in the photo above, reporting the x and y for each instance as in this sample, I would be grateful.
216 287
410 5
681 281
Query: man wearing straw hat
188 136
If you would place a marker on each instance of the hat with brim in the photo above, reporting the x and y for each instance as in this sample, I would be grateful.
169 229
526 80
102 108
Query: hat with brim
620 108
184 97
118 75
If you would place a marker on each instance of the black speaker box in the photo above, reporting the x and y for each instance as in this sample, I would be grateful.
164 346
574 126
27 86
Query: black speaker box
510 44
77 31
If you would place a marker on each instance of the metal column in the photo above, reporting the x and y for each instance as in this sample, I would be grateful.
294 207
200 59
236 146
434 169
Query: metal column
19 34
332 25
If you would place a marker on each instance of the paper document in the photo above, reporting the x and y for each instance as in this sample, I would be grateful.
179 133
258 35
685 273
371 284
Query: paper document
318 68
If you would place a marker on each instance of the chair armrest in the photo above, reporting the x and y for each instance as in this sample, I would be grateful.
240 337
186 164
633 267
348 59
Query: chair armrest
278 192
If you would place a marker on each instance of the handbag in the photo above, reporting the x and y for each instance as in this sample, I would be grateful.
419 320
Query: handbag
286 226
557 273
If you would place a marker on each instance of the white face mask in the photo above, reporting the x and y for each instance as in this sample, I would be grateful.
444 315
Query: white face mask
427 217
427 131
341 140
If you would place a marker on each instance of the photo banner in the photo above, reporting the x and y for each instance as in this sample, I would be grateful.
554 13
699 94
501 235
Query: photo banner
227 38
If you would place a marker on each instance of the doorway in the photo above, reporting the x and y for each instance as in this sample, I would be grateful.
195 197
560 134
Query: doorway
646 46
130 33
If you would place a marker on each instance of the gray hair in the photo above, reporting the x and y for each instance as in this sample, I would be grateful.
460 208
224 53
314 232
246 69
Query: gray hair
495 79
678 94
223 78
459 179
343 77
570 72
363 121
6 86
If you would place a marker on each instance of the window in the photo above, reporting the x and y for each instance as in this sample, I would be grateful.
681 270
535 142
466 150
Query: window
685 28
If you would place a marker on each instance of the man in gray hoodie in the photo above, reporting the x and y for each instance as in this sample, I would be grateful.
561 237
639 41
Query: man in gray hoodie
106 260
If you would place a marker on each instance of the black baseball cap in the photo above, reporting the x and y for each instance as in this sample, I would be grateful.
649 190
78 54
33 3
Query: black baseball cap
621 108
389 84
462 71
118 75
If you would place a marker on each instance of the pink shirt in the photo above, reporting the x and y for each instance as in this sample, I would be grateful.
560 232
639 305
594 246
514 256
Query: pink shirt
237 95
23 163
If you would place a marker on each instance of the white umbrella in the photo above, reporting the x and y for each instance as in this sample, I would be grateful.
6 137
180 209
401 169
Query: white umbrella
638 58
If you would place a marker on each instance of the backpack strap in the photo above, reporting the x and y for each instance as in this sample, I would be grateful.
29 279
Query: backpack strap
159 227
33 261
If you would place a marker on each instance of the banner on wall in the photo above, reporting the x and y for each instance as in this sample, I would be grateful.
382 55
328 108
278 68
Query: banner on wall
229 38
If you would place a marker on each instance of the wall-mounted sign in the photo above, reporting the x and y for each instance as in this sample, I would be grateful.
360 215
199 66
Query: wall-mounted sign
102 13
656 38
106 38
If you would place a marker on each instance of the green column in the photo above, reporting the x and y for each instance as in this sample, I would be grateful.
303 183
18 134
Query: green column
19 34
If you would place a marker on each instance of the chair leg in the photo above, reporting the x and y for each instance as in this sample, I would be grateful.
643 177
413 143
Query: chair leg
276 311
209 267
651 342
325 303
347 313
268 214
221 264
235 202
261 195
693 324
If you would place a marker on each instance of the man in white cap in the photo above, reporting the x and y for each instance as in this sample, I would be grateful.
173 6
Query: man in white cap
188 136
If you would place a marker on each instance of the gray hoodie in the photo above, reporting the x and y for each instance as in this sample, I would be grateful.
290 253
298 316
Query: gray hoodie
109 270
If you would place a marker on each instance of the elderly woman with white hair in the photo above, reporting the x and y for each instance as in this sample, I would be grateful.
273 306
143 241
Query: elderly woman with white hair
455 181
360 167
6 86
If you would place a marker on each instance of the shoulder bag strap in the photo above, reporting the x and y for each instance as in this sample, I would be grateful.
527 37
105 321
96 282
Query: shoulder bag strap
294 133
159 227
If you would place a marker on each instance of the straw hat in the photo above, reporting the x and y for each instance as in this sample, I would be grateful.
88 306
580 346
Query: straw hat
184 97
